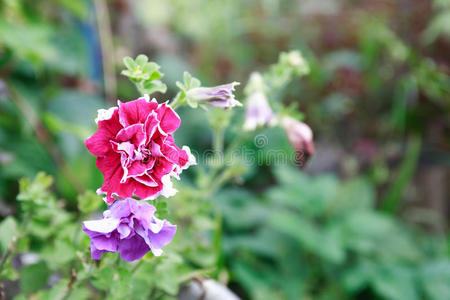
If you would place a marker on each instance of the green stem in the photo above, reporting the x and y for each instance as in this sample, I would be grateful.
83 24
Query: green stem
11 248
391 203
107 49
218 141
177 101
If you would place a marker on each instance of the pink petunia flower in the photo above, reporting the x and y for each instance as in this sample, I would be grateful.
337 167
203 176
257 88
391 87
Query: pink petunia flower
135 150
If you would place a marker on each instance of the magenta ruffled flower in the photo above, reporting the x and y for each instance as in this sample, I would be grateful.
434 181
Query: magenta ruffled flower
135 149
219 96
129 227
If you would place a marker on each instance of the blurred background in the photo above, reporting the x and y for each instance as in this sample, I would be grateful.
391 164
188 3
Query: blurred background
366 218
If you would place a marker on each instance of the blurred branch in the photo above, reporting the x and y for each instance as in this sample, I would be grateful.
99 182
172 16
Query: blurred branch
44 137
107 48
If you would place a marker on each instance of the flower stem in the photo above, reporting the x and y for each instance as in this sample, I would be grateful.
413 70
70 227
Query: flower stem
177 101
107 49
218 141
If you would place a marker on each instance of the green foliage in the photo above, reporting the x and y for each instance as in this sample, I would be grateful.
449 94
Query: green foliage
33 277
89 202
144 74
289 64
322 238
8 231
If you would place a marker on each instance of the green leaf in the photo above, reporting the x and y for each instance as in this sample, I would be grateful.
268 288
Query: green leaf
120 285
141 60
161 208
33 277
8 273
89 202
309 235
61 253
8 230
435 278
394 282
151 69
129 63
150 87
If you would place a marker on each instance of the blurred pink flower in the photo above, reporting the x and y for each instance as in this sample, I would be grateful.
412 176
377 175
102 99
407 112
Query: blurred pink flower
257 111
300 136
135 149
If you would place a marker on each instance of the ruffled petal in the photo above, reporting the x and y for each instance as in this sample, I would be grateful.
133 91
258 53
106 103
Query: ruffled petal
133 248
164 236
136 111
105 243
101 226
98 144
170 121
133 134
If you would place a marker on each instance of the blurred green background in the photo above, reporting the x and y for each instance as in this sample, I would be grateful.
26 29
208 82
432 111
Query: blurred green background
367 217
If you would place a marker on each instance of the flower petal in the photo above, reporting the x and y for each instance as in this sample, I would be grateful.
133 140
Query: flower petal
136 111
170 121
164 236
101 226
98 144
133 248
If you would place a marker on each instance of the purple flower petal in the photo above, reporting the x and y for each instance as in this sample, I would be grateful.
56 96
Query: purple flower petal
130 227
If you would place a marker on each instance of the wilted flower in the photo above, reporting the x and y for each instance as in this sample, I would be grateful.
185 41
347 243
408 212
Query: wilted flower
300 136
219 96
257 111
135 149
129 227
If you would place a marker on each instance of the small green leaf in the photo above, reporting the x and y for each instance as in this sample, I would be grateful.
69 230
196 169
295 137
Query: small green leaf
89 202
150 68
129 63
161 209
141 60
8 230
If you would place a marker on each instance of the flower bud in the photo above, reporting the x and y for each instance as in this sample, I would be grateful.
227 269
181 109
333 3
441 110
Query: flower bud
219 96
258 112
300 136
295 60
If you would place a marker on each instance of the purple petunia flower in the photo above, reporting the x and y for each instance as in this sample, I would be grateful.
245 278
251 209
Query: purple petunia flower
219 96
130 227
